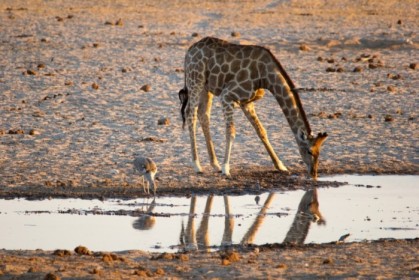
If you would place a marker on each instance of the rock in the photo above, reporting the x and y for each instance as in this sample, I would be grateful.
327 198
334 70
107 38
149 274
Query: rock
119 22
391 88
81 250
330 69
282 266
413 66
61 253
160 271
95 86
51 276
31 72
195 34
184 257
38 114
95 45
388 118
358 69
235 34
33 132
16 131
163 121
68 83
328 261
305 48
146 88
107 258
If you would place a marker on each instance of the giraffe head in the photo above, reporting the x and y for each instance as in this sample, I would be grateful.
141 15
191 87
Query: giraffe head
310 147
309 205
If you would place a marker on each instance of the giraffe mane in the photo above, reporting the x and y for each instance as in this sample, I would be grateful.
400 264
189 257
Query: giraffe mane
293 90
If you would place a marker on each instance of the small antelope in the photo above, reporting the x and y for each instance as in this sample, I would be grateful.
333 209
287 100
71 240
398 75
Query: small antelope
147 169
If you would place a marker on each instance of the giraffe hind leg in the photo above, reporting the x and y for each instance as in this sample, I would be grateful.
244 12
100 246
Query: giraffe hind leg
250 112
204 112
191 117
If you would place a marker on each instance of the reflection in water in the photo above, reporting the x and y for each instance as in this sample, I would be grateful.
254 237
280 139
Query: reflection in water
147 220
388 211
202 234
249 237
228 224
308 212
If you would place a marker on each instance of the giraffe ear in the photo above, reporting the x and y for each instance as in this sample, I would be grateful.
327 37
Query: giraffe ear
321 137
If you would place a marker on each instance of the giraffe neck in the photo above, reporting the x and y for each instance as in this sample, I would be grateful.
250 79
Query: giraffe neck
287 96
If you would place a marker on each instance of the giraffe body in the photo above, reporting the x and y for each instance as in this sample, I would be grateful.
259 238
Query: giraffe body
238 74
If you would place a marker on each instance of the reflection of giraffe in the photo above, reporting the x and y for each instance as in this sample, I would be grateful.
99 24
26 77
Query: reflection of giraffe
239 74
202 234
146 221
190 236
249 237
191 240
308 212
228 224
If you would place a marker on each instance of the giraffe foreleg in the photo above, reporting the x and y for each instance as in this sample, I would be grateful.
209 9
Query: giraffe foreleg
230 135
204 112
250 112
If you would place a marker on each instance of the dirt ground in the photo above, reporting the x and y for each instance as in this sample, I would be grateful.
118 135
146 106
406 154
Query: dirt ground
85 86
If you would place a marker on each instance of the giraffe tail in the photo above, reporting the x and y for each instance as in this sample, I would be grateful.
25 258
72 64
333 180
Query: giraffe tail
183 97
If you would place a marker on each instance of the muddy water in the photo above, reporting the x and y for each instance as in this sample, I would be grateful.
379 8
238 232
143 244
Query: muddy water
367 208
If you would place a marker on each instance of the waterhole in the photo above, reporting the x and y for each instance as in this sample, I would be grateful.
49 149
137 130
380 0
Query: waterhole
366 208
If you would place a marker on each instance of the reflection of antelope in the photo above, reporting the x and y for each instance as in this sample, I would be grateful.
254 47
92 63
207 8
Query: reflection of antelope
146 221
251 232
308 212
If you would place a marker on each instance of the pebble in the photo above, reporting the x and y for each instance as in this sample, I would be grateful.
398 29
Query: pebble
413 66
235 34
391 88
119 22
31 72
305 48
163 121
33 132
328 261
81 250
358 69
61 253
388 118
16 131
95 86
51 276
146 88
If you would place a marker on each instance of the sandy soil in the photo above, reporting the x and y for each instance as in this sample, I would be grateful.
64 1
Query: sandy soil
83 85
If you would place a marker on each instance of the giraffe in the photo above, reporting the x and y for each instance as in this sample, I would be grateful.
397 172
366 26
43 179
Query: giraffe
308 212
239 74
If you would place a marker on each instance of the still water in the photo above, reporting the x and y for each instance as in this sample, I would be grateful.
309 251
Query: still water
367 208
